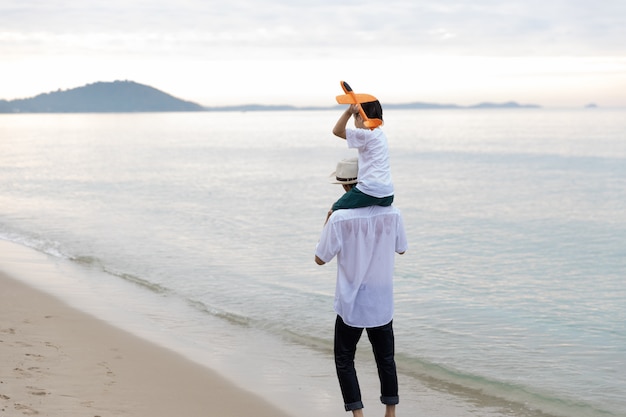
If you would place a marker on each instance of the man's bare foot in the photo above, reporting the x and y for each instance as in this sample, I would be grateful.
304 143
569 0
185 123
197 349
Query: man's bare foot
390 411
357 413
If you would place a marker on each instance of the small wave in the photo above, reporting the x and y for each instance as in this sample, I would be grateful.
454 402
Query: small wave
87 261
32 241
523 401
275 329
53 248
232 318
95 262
144 283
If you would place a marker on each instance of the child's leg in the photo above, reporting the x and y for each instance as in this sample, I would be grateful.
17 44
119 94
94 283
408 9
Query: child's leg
356 198
384 201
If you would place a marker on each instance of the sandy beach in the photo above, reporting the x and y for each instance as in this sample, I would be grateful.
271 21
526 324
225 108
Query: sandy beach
57 361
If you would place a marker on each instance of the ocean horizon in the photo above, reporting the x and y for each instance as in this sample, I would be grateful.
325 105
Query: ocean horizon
198 230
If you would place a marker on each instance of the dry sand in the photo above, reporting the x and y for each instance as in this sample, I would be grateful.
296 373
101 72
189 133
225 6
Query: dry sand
58 361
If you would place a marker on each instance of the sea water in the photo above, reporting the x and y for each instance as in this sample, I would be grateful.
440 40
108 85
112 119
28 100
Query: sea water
202 226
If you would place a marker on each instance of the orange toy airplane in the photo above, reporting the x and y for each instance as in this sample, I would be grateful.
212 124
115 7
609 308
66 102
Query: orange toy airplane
352 98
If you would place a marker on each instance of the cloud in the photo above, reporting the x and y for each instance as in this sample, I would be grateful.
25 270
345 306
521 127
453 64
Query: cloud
481 27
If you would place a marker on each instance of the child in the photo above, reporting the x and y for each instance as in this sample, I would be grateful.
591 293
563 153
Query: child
374 187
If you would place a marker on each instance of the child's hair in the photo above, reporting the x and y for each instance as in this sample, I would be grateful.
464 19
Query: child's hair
373 109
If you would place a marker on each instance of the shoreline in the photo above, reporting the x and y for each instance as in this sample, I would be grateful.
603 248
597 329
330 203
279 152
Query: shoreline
59 361
72 344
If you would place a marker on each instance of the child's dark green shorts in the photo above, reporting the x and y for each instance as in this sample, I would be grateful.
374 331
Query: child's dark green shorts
355 199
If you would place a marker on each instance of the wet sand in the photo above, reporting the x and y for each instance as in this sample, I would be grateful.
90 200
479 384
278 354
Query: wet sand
58 361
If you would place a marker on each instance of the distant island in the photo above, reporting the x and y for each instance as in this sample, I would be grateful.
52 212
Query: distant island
129 96
485 105
101 97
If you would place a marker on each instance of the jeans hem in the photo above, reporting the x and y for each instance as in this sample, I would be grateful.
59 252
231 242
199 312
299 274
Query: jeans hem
354 406
390 400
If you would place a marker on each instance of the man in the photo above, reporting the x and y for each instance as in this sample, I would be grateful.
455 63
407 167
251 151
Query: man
365 241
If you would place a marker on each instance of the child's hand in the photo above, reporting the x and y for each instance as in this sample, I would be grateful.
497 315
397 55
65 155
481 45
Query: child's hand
354 108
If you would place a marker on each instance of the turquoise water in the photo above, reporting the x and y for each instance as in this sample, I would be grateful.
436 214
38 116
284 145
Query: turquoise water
512 288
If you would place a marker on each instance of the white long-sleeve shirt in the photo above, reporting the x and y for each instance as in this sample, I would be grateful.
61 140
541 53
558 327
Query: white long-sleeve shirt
365 241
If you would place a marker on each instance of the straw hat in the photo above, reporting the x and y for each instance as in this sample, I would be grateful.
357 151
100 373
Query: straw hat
346 172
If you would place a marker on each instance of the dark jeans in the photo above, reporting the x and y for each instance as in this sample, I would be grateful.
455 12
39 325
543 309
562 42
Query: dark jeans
382 341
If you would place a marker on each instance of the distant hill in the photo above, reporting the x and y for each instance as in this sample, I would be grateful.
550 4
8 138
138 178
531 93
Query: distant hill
426 106
101 97
507 105
129 96
388 106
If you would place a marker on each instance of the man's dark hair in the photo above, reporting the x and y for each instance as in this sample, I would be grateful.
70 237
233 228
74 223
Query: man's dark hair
373 110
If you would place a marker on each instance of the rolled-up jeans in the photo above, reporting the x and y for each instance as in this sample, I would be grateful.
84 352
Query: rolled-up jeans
382 341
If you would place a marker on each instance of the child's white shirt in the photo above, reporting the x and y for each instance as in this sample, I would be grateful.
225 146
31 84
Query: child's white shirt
374 170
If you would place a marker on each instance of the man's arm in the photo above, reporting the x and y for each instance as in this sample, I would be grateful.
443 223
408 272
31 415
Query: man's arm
340 127
319 261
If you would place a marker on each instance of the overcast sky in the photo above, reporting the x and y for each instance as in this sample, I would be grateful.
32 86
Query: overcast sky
550 52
